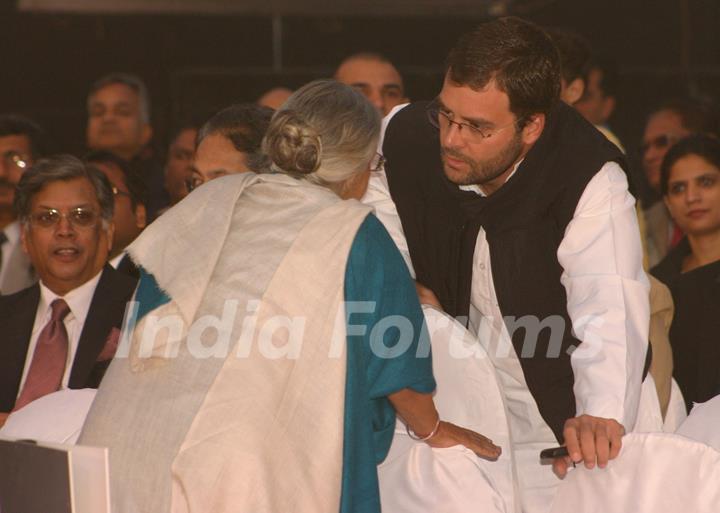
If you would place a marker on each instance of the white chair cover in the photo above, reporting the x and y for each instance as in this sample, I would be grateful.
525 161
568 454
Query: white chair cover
56 417
417 478
703 424
655 472
649 418
676 412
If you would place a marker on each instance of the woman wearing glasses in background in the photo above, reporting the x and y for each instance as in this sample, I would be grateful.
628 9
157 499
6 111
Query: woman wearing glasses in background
690 182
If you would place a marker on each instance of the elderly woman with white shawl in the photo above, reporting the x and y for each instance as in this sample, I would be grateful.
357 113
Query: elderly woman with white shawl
275 333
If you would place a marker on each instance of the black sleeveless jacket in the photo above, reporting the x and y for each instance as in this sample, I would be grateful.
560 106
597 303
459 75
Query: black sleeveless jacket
524 221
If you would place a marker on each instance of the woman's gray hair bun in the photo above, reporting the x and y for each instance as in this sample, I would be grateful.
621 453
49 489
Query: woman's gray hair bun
292 145
326 133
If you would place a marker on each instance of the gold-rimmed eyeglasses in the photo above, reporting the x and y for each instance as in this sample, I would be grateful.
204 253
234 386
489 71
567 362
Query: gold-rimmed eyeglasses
78 217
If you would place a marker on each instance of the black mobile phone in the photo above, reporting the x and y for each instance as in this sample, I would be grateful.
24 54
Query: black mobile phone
553 453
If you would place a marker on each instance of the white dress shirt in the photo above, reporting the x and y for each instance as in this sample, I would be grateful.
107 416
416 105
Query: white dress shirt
115 262
78 300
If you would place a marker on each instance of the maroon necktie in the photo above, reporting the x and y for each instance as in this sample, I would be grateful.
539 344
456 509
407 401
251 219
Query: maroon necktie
48 363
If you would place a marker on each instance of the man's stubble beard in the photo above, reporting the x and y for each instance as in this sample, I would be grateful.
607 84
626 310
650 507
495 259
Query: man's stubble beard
482 172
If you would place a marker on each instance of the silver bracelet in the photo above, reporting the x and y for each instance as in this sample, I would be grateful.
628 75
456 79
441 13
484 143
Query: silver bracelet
412 435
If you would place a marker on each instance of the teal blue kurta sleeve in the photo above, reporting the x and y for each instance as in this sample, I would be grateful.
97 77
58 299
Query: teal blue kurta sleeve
388 350
148 295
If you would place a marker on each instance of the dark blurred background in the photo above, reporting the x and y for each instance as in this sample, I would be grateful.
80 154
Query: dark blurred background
199 55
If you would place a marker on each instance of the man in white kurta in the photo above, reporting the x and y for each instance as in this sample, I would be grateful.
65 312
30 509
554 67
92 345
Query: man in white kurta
601 259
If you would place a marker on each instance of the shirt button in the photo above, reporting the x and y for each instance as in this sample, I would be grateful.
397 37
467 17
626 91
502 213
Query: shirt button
482 266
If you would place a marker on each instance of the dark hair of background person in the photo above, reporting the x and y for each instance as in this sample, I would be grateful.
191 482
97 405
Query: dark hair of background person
187 123
575 54
518 55
702 145
610 79
133 82
368 56
244 125
696 116
15 124
131 177
61 168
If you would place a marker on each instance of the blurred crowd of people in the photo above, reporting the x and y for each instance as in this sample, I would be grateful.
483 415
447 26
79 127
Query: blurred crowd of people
66 222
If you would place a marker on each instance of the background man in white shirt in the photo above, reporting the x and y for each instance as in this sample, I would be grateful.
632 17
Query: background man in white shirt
65 208
530 235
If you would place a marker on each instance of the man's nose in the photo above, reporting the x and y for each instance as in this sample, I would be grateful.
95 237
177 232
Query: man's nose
65 228
452 137
376 98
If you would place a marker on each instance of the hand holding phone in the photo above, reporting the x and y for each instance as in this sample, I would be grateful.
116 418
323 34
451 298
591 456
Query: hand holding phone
553 453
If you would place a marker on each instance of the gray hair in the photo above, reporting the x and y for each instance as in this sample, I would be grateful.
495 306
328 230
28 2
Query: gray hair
61 168
325 133
133 82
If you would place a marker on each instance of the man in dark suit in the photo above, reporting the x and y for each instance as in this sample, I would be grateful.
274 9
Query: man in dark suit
62 332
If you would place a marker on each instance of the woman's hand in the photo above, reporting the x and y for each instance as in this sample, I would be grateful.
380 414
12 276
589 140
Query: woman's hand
419 413
449 435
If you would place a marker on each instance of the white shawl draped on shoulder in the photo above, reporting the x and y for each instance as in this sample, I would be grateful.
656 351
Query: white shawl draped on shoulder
260 429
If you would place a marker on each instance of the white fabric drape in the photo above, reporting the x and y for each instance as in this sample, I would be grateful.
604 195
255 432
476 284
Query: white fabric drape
417 478
655 472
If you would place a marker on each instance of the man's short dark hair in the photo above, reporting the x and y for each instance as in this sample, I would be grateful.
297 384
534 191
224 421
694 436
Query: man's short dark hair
244 125
366 56
61 168
15 124
518 55
131 177
133 82
575 55
609 79
188 123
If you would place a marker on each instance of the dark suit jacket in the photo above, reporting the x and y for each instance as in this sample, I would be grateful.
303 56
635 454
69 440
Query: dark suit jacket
17 316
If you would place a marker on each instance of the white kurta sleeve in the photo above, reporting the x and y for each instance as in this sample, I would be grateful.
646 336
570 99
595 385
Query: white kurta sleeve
378 197
607 297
